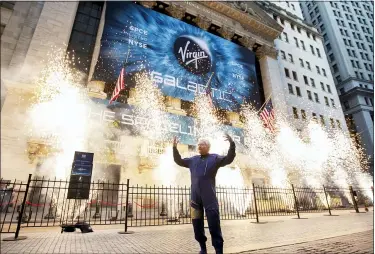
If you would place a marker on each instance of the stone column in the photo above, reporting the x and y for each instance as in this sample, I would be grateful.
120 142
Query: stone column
271 78
203 22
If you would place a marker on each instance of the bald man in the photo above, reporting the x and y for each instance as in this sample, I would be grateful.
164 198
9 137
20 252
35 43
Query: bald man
203 169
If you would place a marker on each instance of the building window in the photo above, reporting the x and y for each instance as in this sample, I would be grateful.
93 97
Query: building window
309 95
334 68
298 90
295 76
322 120
331 57
338 124
301 63
316 98
333 103
328 47
332 122
338 78
326 100
303 45
298 29
290 58
296 42
292 26
312 81
314 116
308 65
325 37
295 113
286 37
324 72
83 36
282 21
329 88
290 87
306 80
346 105
282 55
312 50
286 72
366 100
317 69
303 114
318 52
322 86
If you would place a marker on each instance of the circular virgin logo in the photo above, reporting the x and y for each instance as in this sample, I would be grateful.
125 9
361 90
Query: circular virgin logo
192 54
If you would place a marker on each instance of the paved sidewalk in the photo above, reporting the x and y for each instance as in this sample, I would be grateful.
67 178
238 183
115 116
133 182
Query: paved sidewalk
239 236
354 243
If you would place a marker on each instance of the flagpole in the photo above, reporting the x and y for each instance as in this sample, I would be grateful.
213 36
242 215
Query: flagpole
269 97
126 61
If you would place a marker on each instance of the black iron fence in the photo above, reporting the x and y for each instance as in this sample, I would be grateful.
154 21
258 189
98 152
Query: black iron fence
44 202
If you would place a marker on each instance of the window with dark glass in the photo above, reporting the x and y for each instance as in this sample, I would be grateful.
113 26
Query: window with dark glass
83 36
333 103
290 87
322 120
326 100
303 114
329 88
309 95
298 91
295 77
295 113
316 98
286 72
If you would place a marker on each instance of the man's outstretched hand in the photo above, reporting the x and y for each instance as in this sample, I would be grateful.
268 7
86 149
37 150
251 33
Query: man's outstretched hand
175 141
228 138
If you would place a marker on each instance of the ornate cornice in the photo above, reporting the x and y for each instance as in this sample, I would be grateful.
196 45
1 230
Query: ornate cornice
203 22
148 4
176 11
266 51
249 22
247 42
226 32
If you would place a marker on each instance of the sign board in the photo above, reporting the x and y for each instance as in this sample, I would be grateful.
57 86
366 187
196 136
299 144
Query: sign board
80 177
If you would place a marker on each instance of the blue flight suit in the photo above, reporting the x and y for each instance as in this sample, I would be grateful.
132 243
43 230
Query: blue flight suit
203 171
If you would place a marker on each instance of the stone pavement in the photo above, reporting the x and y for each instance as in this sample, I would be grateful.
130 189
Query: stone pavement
239 236
354 243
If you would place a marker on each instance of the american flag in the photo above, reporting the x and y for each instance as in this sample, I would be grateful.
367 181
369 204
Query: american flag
209 92
120 85
268 116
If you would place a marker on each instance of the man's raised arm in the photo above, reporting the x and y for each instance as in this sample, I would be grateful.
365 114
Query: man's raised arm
228 159
177 157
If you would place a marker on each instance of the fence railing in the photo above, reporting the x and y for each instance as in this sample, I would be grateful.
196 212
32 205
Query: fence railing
45 203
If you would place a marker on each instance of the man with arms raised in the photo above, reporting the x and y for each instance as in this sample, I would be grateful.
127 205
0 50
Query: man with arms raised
203 169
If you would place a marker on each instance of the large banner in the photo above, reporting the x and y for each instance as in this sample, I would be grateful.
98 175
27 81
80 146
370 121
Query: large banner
184 127
179 57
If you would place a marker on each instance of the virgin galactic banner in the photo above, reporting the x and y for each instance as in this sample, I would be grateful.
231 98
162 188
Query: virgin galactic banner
179 57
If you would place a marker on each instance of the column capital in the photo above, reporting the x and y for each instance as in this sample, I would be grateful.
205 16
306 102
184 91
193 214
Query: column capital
247 42
148 4
226 32
176 11
203 22
265 50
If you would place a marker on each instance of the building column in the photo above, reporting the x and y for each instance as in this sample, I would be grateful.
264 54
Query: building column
271 78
